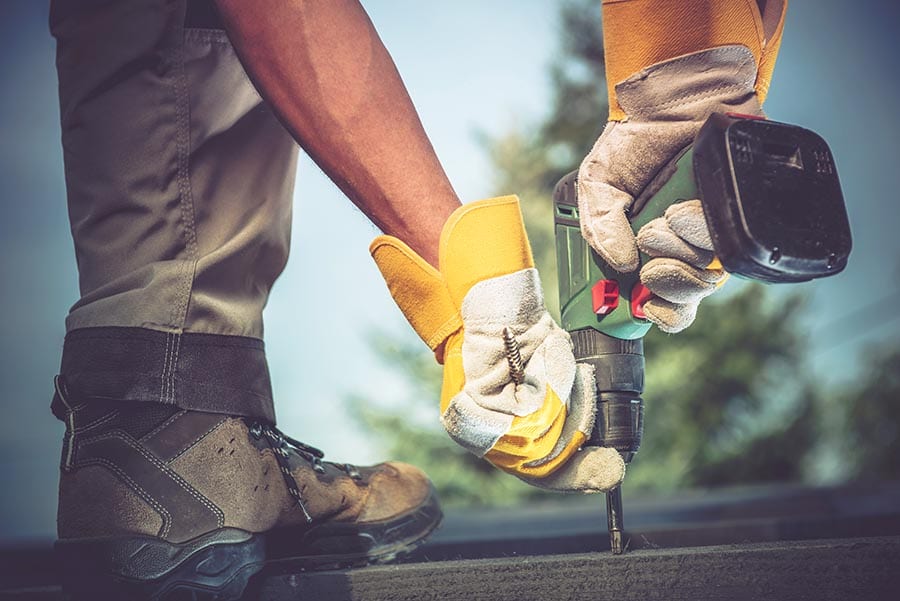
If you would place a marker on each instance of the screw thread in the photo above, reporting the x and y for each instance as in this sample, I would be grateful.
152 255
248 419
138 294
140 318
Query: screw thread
514 357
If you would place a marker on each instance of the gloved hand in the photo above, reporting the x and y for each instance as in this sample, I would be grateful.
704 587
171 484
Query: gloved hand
665 104
487 283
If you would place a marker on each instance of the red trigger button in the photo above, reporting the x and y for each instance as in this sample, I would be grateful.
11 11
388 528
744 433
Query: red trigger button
605 296
640 294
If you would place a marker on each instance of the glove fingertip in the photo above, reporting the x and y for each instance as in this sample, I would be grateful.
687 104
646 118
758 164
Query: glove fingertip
590 470
670 318
621 257
677 281
649 235
624 261
620 252
688 222
604 224
611 472
677 208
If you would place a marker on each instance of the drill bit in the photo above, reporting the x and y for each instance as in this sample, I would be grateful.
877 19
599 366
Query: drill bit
614 519
514 357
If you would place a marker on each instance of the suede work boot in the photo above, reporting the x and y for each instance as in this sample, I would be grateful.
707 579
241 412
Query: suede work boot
160 503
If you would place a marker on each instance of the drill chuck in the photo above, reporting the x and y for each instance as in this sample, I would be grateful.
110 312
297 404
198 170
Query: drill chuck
620 423
619 376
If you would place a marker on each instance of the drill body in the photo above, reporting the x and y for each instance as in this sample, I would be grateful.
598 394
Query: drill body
775 212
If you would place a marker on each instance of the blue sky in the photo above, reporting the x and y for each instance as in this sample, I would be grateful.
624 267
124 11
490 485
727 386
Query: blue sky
470 66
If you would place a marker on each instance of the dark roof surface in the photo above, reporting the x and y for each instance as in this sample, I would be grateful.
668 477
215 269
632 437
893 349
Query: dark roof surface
790 542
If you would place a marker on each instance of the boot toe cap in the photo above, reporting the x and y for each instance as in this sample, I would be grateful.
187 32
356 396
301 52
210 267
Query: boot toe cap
394 489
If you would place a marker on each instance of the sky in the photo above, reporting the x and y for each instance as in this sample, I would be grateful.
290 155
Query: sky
471 67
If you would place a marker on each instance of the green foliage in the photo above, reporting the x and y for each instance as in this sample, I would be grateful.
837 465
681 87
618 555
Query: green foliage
871 412
728 400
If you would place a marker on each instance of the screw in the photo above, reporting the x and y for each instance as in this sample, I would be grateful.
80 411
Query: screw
514 357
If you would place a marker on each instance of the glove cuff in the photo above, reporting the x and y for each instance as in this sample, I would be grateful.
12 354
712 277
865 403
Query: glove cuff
483 240
640 33
419 291
691 87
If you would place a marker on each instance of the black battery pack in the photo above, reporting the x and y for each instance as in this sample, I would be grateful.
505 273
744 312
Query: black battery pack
772 199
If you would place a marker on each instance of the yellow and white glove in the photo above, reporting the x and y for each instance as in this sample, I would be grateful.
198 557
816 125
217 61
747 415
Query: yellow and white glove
487 283
669 66
666 104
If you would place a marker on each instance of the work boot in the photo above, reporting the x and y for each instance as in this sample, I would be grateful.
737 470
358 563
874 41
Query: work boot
160 503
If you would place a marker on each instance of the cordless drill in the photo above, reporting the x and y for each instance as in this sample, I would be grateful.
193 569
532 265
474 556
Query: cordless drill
775 212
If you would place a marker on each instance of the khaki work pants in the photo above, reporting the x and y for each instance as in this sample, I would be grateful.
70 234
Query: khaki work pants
179 181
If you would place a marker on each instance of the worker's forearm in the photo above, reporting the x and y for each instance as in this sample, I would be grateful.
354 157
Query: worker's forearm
324 69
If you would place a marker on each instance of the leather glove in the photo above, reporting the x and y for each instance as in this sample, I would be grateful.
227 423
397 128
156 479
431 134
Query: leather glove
665 104
487 283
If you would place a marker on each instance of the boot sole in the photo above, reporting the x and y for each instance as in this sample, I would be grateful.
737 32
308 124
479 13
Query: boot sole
219 565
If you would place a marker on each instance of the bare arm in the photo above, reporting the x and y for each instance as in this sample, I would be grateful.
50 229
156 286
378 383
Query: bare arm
325 71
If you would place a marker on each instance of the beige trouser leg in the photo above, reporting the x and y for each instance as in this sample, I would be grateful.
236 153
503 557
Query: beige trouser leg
179 182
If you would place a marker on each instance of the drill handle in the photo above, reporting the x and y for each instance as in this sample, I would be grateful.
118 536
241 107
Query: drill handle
592 293
602 309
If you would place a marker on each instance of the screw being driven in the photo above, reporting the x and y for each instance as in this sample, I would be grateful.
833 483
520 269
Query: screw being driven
514 357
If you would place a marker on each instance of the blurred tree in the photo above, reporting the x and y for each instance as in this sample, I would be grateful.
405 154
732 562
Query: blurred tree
728 401
871 412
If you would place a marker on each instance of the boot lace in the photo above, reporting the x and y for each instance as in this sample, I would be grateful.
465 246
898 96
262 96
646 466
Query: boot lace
282 445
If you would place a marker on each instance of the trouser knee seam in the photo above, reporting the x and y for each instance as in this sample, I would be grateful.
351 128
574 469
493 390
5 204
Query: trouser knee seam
186 201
